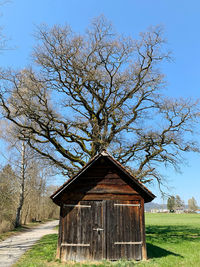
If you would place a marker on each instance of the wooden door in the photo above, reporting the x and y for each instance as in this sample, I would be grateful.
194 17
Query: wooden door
83 235
123 236
95 230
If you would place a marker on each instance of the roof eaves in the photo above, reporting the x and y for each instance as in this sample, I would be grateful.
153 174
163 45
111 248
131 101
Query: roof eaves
69 181
105 154
141 185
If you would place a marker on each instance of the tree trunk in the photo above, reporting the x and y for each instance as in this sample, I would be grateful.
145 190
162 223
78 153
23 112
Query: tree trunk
26 215
22 184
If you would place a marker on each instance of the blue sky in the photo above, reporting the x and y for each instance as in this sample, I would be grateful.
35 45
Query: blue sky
180 19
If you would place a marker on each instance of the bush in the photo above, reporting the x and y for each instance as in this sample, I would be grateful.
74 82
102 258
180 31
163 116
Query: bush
6 226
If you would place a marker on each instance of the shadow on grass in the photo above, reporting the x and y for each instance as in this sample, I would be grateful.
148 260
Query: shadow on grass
172 234
158 252
168 234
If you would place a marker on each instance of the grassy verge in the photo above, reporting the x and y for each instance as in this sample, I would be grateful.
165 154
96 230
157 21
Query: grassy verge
172 240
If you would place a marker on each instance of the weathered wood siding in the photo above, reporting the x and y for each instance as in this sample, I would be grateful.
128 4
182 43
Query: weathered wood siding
95 230
102 181
102 216
124 238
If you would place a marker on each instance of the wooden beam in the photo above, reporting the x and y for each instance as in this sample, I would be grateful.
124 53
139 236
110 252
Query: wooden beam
74 245
77 206
128 243
129 205
143 236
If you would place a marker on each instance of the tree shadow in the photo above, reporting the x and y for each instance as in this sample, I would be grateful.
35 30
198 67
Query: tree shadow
172 234
158 252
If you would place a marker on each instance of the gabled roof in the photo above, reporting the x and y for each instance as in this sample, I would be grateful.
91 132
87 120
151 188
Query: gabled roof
146 194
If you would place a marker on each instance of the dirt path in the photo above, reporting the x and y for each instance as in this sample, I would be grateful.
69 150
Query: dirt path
12 248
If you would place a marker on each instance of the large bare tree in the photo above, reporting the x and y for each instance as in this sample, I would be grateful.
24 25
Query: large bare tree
98 90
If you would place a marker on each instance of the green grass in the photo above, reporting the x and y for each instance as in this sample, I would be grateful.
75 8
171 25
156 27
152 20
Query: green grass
173 240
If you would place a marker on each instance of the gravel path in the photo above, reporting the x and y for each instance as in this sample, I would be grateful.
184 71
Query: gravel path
12 248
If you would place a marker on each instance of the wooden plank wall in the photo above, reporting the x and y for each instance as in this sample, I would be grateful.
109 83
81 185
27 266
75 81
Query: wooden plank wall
79 239
101 181
120 234
123 230
100 187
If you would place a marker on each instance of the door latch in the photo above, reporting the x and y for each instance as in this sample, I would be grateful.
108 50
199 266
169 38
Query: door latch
98 230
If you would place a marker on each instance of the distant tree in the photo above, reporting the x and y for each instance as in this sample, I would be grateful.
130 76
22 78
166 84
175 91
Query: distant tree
171 203
28 202
8 188
179 203
36 202
192 204
22 178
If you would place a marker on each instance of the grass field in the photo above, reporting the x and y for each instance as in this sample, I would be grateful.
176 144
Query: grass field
172 240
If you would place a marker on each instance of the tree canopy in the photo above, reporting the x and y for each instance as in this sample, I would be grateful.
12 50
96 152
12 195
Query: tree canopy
175 203
171 203
100 89
192 204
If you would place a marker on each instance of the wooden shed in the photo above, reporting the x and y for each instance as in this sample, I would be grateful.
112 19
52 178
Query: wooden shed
102 213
